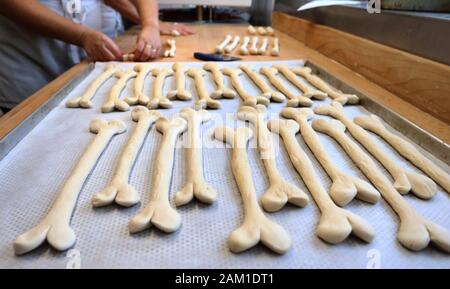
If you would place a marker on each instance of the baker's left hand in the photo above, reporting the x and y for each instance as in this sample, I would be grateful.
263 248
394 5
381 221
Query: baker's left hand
148 44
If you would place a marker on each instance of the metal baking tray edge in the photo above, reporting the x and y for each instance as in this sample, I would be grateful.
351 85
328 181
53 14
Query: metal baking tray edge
424 139
19 132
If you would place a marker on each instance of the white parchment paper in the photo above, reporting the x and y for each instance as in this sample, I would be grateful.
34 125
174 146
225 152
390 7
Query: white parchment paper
32 174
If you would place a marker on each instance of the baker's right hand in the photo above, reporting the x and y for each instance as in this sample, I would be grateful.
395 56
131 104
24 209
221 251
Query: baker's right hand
100 47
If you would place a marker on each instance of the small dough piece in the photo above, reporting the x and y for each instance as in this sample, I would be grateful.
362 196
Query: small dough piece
275 51
114 102
256 227
159 100
270 31
261 30
180 79
415 231
221 91
85 100
335 224
196 185
404 180
119 190
333 93
205 101
344 187
172 48
234 74
253 46
374 124
280 191
139 97
263 48
175 33
294 100
251 30
55 227
220 48
158 211
129 57
307 91
230 47
265 89
243 50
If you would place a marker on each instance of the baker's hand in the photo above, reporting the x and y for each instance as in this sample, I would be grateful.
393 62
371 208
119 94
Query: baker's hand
166 28
148 44
100 47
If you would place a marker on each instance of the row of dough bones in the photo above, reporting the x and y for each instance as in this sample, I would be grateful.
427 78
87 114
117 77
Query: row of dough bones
159 100
230 43
415 232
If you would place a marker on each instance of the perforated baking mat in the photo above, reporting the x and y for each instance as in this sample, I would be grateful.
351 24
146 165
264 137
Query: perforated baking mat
34 171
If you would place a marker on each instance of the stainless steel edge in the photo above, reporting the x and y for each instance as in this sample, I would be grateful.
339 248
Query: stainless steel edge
18 133
415 134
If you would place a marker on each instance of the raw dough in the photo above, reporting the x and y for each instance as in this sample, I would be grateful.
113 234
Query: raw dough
221 91
335 224
251 30
128 57
280 191
158 211
230 47
261 30
344 187
85 99
234 74
307 91
294 100
139 96
114 102
404 181
263 48
220 48
275 51
253 46
119 189
159 100
243 50
407 150
256 226
415 231
172 48
195 182
205 101
333 93
55 227
266 90
180 78
270 31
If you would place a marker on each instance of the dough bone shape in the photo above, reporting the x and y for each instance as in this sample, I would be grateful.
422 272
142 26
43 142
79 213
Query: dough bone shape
159 100
85 99
293 78
275 51
172 48
344 187
294 100
230 47
234 74
253 50
265 89
221 91
404 180
196 185
415 231
256 226
55 226
119 189
180 81
243 50
333 93
221 47
336 223
205 101
114 102
264 45
143 71
158 211
404 148
280 191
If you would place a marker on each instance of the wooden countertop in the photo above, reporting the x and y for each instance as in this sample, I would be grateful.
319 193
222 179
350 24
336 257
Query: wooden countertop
206 38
